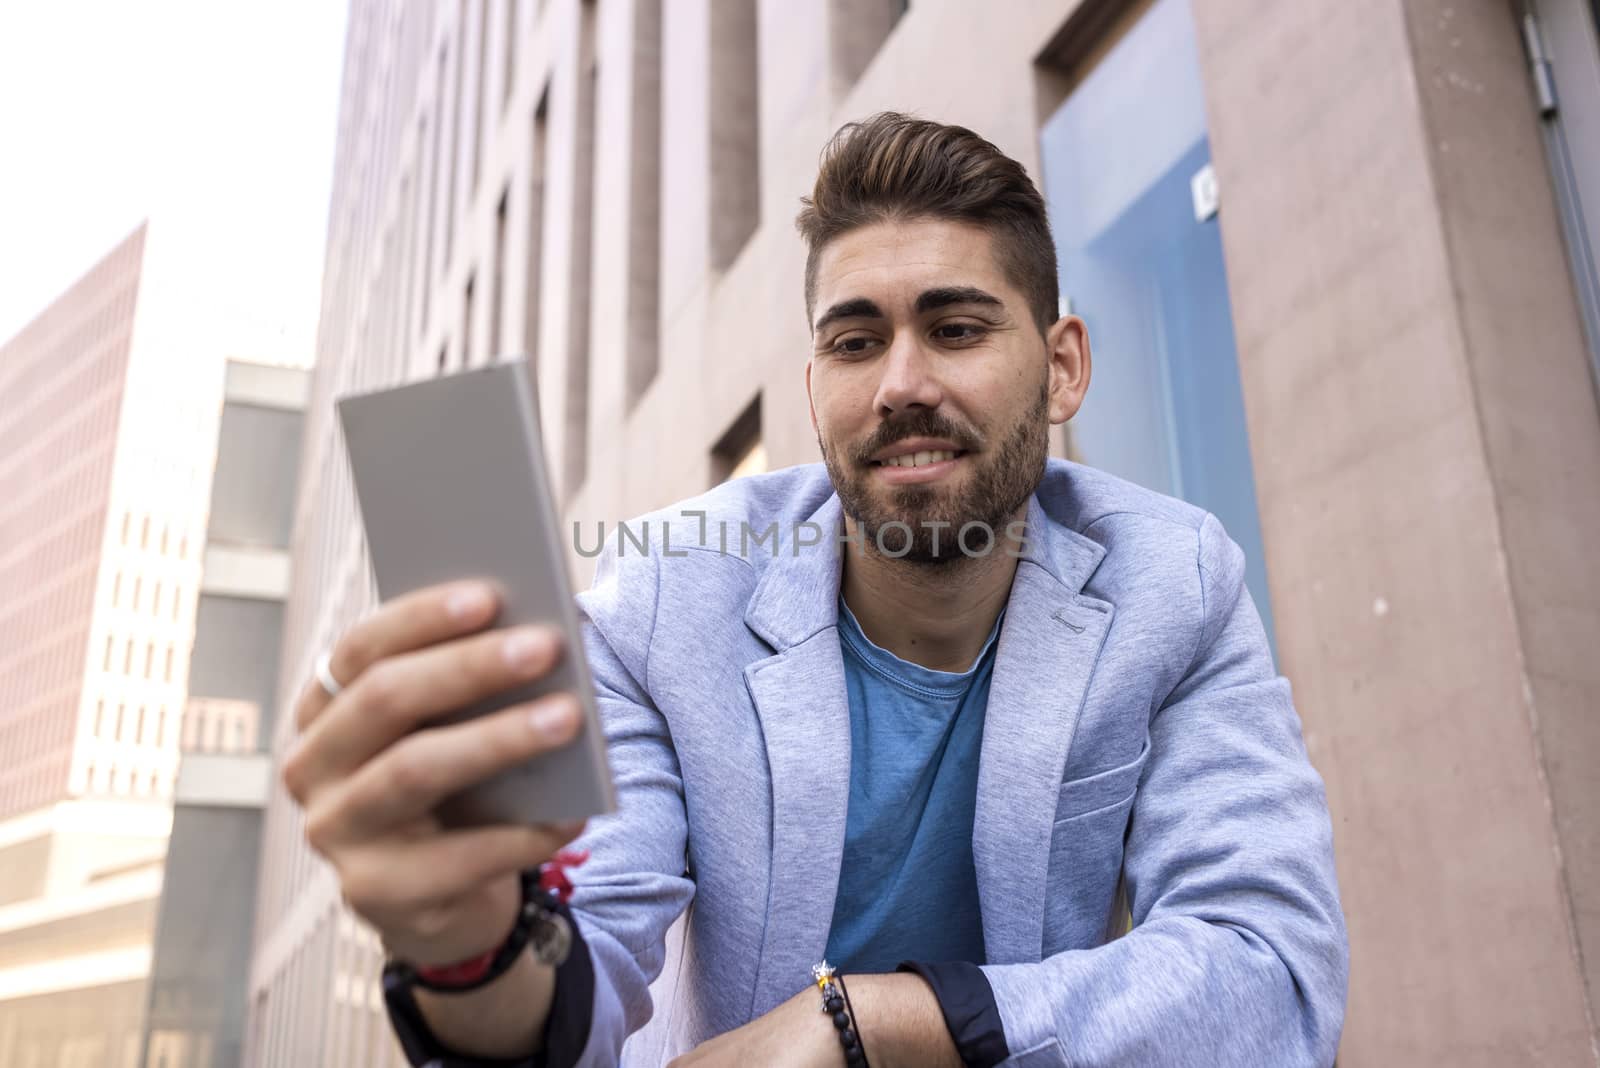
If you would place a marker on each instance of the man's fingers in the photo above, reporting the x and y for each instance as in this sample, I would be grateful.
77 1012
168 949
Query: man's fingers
415 774
417 619
405 692
397 877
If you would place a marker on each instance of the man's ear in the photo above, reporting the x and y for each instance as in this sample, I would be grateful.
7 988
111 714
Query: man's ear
1067 345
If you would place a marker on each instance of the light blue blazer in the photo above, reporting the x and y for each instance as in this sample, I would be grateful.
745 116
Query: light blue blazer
1139 754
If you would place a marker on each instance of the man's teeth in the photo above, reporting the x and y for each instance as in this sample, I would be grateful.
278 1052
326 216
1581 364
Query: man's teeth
919 459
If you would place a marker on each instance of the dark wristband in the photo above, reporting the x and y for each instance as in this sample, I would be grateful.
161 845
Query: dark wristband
566 1029
966 1000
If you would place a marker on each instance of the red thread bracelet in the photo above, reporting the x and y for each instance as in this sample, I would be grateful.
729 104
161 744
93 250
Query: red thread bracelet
553 879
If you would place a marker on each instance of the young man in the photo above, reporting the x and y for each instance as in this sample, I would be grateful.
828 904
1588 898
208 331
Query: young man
965 708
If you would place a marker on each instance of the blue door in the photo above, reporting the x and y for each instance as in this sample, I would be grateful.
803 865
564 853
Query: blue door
1133 206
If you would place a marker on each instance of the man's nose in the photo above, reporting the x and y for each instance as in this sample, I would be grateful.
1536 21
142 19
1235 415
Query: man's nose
908 379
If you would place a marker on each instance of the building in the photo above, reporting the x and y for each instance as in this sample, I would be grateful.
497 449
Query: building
104 435
1334 261
205 923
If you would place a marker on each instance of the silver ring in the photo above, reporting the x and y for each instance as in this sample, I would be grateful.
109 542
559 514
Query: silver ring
325 679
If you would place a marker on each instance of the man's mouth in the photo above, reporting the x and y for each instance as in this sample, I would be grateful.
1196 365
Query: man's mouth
920 458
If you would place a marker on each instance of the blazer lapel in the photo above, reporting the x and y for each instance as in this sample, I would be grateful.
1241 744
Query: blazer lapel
1048 647
801 702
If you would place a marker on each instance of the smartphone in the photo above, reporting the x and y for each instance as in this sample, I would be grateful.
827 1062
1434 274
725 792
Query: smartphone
451 481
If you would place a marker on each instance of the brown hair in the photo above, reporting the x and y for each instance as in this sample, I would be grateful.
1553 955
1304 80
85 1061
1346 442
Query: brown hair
892 166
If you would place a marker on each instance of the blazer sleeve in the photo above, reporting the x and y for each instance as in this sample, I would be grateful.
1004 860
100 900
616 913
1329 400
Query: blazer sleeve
1238 954
634 884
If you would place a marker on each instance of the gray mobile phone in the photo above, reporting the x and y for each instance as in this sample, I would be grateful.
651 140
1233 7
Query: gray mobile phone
452 484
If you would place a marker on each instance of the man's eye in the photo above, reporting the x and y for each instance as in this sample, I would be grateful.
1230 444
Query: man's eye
958 331
852 346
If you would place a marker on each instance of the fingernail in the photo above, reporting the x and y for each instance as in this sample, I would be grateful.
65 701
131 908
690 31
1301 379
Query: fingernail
552 721
466 602
525 647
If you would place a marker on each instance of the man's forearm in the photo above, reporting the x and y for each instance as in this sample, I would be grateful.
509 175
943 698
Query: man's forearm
900 1022
505 1019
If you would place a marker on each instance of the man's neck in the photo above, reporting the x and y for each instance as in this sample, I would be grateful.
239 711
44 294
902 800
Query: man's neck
936 615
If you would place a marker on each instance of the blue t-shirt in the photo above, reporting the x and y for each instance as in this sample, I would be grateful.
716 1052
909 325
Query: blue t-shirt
908 888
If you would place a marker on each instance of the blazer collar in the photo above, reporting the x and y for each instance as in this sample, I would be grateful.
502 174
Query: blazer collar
798 593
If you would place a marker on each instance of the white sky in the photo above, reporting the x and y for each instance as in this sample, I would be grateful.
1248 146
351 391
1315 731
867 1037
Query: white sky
222 113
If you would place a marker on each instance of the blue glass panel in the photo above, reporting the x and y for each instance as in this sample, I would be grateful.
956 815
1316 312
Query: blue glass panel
1165 408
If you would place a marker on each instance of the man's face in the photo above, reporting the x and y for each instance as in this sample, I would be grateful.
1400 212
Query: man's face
932 390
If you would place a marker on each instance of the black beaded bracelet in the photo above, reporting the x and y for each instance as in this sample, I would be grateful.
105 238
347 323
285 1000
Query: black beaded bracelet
836 1003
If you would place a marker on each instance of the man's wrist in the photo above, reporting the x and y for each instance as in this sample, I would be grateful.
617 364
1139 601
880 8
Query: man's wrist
900 1023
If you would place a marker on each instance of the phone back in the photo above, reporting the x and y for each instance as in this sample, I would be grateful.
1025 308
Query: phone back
452 484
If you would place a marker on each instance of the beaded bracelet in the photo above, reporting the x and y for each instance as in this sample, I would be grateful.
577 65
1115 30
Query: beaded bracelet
836 1003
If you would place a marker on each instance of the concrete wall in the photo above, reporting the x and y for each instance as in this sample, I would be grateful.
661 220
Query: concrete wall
1422 423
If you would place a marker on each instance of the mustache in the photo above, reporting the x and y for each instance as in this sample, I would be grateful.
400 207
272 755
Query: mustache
922 423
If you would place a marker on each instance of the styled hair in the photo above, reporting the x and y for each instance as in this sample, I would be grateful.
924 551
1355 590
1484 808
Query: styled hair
892 167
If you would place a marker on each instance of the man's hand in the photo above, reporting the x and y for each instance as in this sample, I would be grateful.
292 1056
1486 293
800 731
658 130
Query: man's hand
899 1017
371 765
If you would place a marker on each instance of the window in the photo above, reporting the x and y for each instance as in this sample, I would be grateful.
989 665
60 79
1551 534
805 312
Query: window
644 205
497 279
107 665
99 716
127 658
144 533
163 539
575 399
856 30
735 188
138 730
466 324
739 452
121 712
513 29
482 20
116 589
167 674
155 600
138 581
149 657
535 242
126 517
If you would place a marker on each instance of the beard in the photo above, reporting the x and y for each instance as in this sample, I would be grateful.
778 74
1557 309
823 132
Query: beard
999 482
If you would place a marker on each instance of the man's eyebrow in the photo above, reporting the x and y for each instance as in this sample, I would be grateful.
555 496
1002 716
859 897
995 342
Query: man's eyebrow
944 296
859 308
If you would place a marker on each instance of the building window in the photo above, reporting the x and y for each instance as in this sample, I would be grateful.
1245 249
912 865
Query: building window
110 641
856 31
167 674
644 205
138 581
466 323
735 187
739 451
155 599
144 533
116 589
